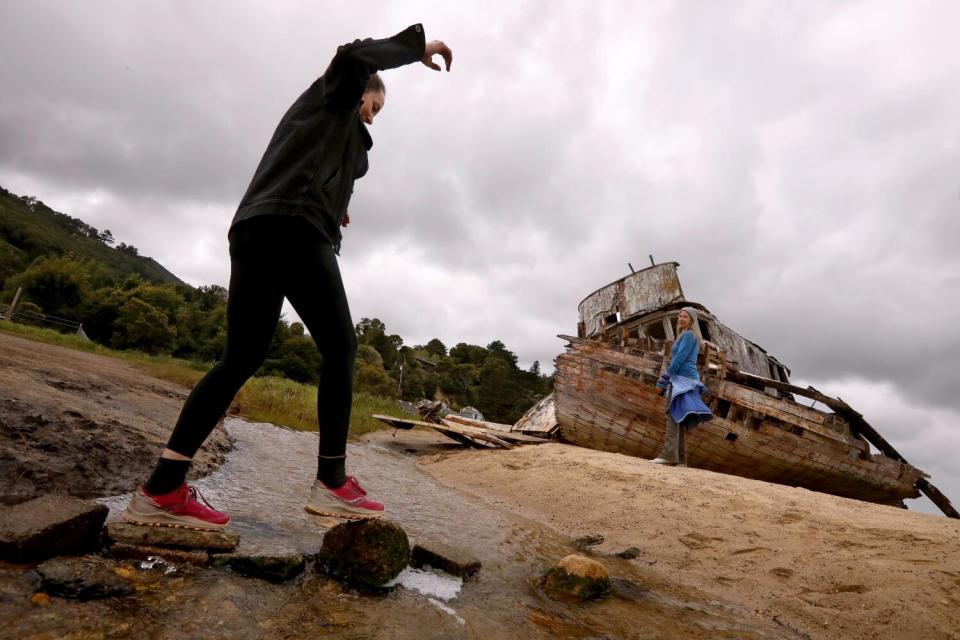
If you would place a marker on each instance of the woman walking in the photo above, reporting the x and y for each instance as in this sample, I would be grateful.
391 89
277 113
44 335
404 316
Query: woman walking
284 242
681 383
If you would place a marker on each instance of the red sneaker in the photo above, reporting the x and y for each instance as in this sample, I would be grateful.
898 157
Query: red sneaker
348 501
179 508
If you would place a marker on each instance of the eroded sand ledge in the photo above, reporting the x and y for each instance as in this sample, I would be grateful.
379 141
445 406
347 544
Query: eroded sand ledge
82 423
826 566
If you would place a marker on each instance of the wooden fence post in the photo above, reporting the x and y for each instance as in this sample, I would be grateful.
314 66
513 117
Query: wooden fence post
13 305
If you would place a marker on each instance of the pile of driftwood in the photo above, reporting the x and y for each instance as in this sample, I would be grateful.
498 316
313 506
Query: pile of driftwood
479 434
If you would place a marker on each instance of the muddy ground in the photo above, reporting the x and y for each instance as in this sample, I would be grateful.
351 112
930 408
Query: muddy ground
82 423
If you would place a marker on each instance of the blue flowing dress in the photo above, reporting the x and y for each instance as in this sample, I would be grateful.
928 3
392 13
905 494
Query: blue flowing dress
685 387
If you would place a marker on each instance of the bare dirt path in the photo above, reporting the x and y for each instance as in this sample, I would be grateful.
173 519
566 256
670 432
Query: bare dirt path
81 423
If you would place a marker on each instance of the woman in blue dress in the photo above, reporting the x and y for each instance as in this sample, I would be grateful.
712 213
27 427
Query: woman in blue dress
681 384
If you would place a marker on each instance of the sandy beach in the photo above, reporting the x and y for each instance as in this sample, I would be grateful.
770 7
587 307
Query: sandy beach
824 566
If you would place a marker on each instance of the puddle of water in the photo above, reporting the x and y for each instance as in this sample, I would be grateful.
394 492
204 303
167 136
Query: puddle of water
438 585
266 480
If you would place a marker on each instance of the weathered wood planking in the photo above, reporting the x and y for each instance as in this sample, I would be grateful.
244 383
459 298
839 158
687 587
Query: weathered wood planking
540 419
465 431
605 399
507 435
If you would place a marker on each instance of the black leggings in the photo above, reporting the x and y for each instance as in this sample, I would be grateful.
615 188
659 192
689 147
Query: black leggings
272 257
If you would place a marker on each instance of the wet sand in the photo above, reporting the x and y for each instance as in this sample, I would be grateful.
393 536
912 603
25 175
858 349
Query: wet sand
823 566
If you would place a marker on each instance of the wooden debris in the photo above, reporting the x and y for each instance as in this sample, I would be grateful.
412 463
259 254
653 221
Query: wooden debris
498 430
466 431
540 419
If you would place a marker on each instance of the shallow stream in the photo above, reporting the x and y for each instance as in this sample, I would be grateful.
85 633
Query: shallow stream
264 484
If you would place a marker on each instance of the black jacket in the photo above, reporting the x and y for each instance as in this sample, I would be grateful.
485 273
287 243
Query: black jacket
320 146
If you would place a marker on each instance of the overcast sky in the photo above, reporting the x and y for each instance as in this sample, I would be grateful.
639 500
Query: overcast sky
801 161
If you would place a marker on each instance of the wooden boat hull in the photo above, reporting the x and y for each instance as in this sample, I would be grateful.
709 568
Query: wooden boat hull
606 399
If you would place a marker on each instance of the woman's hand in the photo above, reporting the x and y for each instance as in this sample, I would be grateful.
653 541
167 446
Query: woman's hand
433 48
346 219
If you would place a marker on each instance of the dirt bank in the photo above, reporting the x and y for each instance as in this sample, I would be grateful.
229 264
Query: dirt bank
82 423
822 565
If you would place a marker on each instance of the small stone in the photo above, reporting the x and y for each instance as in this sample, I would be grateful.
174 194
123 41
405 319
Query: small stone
367 553
48 526
81 578
440 556
583 542
125 572
274 563
631 553
171 537
40 598
576 577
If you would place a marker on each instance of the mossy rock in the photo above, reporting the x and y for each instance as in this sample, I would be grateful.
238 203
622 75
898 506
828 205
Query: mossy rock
576 577
368 553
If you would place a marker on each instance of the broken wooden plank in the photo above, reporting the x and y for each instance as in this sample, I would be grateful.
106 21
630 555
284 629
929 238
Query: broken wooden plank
482 424
540 419
453 433
401 423
476 433
503 435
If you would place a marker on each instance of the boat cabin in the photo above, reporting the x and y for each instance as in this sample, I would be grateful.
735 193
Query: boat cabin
647 303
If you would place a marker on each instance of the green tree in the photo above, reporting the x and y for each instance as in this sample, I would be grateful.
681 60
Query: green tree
465 353
142 326
498 394
436 348
58 285
499 350
373 332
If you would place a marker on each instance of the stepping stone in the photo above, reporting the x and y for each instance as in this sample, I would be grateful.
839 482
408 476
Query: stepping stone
366 553
171 537
576 577
80 578
143 552
440 556
268 560
48 526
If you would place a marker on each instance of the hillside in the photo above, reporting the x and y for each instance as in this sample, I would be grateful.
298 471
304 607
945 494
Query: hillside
30 229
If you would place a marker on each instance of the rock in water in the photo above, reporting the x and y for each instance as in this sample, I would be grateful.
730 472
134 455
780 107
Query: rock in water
440 556
144 552
48 526
273 561
367 553
172 537
81 578
576 577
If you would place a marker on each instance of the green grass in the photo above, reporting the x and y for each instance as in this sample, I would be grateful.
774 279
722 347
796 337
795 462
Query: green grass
268 399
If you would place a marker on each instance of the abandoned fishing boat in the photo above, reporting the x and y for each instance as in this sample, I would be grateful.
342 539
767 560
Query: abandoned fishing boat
606 398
